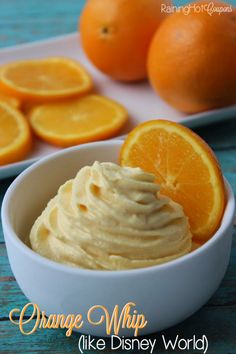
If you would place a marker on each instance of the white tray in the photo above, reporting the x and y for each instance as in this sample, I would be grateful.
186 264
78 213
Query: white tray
140 100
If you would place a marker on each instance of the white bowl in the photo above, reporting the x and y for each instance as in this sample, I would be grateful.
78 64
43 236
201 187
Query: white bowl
167 294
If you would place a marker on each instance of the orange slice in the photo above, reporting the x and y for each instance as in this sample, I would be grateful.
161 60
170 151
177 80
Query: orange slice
15 135
10 100
44 79
77 121
185 167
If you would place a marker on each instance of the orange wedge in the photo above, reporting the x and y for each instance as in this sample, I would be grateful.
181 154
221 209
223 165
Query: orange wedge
44 79
185 167
77 121
10 100
15 135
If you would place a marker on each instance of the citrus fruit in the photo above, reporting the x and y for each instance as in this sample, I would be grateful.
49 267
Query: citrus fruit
44 79
15 135
77 121
191 61
116 35
185 167
10 100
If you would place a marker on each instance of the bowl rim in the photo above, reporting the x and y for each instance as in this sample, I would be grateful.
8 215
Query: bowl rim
9 232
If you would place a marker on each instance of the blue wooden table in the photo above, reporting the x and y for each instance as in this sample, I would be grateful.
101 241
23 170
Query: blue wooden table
27 20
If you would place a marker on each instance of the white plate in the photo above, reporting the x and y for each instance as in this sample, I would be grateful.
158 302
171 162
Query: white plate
140 100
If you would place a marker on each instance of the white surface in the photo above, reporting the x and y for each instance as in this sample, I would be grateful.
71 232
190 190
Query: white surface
166 294
140 100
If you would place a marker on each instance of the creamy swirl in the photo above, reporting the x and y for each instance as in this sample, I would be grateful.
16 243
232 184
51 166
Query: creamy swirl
110 217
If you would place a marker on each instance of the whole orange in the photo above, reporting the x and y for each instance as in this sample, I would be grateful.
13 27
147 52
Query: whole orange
116 35
192 58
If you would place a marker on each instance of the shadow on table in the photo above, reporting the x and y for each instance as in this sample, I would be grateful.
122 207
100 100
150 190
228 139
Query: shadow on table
221 135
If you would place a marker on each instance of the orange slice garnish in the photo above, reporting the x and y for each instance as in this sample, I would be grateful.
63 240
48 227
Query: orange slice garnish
185 167
77 121
44 79
15 135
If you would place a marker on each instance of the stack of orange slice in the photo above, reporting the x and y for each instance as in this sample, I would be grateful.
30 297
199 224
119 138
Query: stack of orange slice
54 94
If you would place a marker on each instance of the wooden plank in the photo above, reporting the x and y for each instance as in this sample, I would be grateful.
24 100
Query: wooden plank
31 20
5 270
4 184
218 324
45 341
